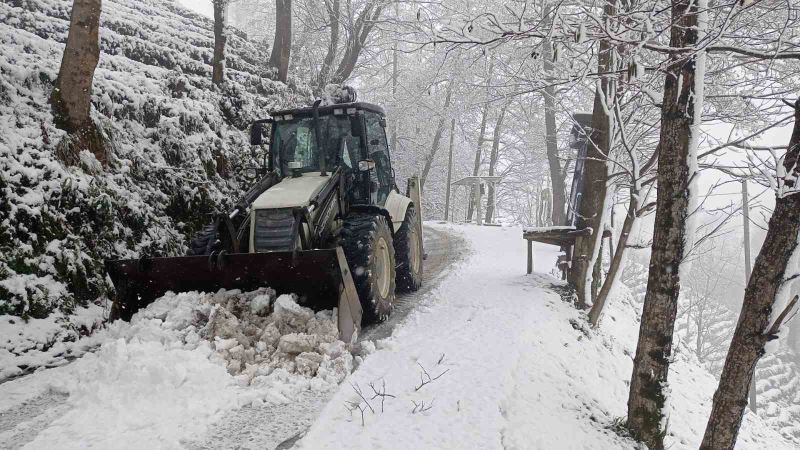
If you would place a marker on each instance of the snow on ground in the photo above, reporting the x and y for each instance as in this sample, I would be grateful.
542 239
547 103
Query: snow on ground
491 358
48 342
179 366
495 359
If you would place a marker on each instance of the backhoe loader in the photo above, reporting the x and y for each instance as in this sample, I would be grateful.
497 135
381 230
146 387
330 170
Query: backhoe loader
326 222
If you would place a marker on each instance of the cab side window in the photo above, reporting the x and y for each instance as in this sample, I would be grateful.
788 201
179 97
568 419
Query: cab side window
378 151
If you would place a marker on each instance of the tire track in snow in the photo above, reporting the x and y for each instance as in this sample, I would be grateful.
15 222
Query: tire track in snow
21 424
280 426
266 426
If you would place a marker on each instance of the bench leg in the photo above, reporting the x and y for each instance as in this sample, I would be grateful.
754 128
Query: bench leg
530 257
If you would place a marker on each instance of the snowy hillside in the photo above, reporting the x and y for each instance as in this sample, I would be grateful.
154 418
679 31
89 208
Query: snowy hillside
178 147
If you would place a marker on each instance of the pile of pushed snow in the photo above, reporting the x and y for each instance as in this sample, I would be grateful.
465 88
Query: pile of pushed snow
181 364
253 334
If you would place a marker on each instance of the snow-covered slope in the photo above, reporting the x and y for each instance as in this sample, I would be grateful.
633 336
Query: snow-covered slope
177 143
500 361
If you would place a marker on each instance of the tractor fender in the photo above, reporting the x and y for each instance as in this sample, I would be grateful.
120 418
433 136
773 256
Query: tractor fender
396 205
375 210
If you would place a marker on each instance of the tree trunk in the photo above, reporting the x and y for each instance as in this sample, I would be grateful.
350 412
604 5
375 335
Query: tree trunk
476 168
698 343
498 127
334 12
220 39
71 99
437 137
282 45
615 268
559 194
72 96
590 213
395 76
759 319
449 170
671 235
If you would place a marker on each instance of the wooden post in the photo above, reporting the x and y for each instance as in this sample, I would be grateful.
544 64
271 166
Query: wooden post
747 270
494 201
530 257
449 171
478 209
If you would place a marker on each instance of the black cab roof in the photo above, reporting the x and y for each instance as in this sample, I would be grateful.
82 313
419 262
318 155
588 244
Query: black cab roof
328 109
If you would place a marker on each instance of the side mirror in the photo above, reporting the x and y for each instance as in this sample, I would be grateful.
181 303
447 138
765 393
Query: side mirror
383 122
257 134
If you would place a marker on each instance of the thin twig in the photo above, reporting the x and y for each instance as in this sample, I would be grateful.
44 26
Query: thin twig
425 377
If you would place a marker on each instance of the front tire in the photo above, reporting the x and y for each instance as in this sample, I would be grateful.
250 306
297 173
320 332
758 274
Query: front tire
407 250
367 245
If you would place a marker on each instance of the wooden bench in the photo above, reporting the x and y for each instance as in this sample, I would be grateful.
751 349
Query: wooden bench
562 236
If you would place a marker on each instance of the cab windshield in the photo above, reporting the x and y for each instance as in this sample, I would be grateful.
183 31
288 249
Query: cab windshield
295 141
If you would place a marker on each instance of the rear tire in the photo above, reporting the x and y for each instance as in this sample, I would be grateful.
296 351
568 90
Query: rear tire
367 245
204 241
407 253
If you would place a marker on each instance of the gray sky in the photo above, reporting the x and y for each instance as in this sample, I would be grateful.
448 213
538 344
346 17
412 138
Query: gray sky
202 6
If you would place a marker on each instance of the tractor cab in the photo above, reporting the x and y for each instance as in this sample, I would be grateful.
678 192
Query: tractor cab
319 140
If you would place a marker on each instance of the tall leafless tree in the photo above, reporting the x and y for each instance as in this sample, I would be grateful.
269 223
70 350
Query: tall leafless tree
671 230
592 205
357 39
493 158
334 17
759 321
557 175
437 137
476 167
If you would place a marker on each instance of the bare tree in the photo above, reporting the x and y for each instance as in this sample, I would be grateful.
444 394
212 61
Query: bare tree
557 183
592 206
437 137
282 45
71 98
493 157
334 16
681 107
476 167
358 32
762 314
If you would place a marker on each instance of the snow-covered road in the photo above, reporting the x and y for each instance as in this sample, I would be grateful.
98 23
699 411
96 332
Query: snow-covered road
484 357
30 410
496 359
272 425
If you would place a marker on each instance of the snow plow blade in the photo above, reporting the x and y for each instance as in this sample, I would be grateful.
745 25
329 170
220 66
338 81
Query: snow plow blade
321 278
